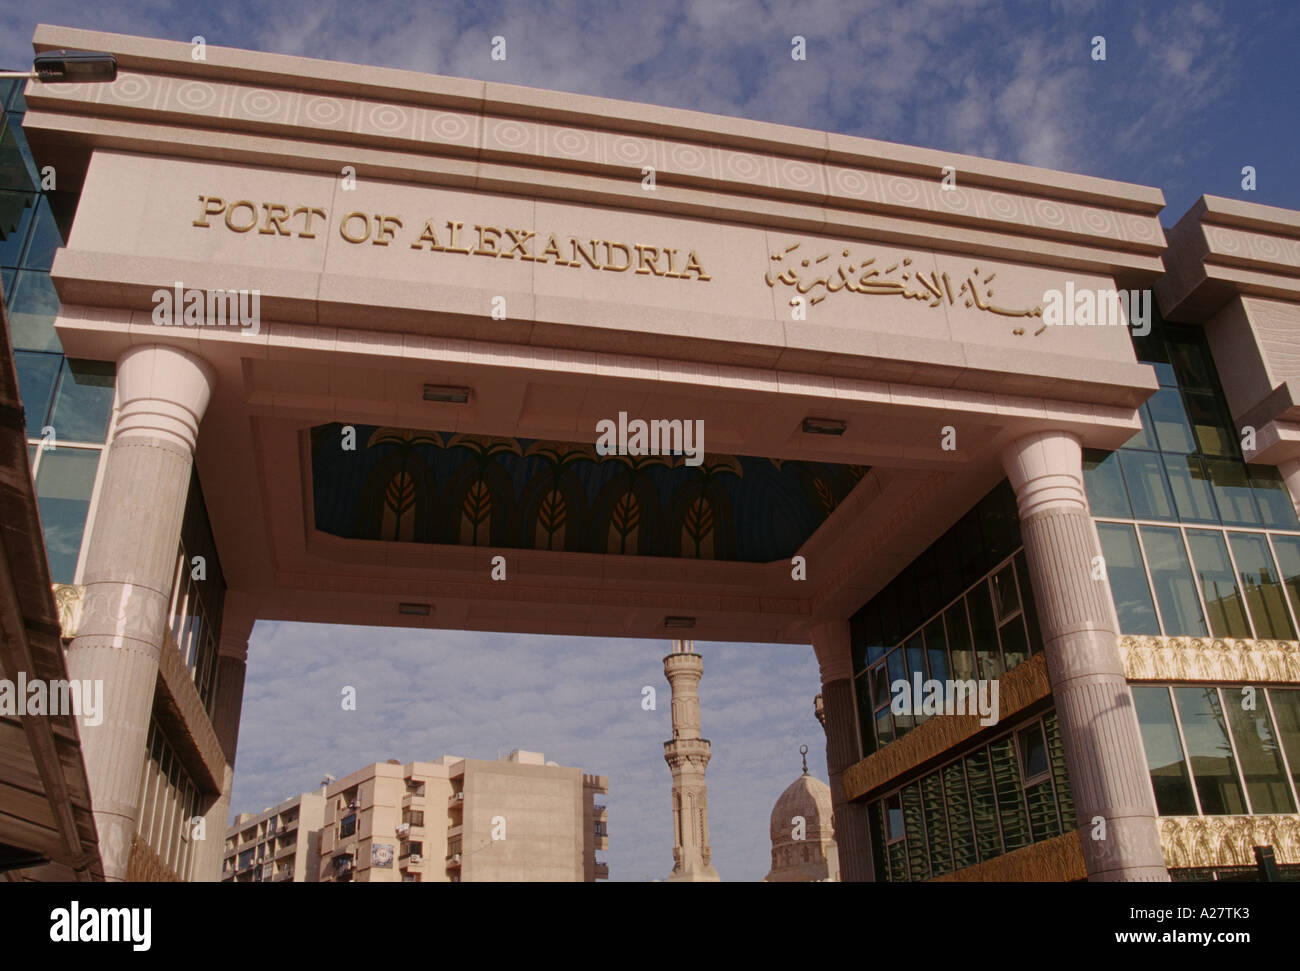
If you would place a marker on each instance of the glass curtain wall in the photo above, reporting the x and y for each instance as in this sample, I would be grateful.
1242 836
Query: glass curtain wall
68 402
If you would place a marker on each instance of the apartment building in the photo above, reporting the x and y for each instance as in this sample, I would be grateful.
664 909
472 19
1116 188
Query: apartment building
276 845
452 820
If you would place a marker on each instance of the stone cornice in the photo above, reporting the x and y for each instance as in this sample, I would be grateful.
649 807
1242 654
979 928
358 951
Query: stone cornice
1225 247
453 131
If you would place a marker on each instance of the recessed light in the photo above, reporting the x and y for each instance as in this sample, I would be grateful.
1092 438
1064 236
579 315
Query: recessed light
824 426
439 392
679 621
415 610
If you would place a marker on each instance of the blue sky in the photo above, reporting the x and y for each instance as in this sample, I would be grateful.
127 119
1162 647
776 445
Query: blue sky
1189 93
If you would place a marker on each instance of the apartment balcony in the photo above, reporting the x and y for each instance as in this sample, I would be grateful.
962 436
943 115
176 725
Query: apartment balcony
602 871
288 850
413 800
600 814
453 862
601 843
456 799
457 830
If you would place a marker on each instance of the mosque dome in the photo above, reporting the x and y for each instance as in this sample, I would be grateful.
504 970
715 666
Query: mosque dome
808 797
802 831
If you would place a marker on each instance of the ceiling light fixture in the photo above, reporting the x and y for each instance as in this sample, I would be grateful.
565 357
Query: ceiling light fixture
824 426
440 392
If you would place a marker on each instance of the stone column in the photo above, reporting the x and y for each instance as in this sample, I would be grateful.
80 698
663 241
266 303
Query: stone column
130 567
832 644
687 756
1099 727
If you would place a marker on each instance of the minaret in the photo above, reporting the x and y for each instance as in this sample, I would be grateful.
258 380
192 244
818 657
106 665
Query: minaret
688 756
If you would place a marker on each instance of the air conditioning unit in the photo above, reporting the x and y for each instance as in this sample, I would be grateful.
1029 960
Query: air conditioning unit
403 829
416 858
455 858
460 796
354 804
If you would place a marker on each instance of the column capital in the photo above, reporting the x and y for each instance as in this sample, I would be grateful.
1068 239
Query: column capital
162 392
1046 470
833 646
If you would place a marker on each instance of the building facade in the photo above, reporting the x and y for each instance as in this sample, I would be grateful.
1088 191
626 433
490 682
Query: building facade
279 844
929 451
464 821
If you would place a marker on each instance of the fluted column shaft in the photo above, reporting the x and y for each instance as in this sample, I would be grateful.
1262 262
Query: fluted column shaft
1099 727
832 644
130 567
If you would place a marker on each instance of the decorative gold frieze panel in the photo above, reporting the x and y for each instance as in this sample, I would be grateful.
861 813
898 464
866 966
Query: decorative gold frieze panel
1215 659
1059 859
68 598
146 866
1203 841
1017 689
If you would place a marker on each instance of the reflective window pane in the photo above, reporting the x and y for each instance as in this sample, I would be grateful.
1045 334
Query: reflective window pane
960 825
37 374
1213 766
1171 578
1168 768
1288 559
1275 506
32 311
1146 438
1006 599
1060 773
1286 706
1027 600
1033 751
16 210
1257 750
984 632
1173 431
1128 579
1150 349
1015 647
936 650
1190 365
1101 478
1232 492
1262 585
84 401
918 858
894 818
1223 601
1011 806
1145 478
1191 487
959 645
984 809
63 485
1213 429
936 824
45 238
